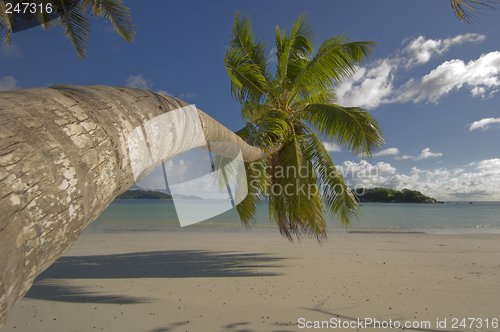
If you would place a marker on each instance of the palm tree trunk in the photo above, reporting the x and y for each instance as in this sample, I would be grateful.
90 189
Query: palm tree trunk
63 158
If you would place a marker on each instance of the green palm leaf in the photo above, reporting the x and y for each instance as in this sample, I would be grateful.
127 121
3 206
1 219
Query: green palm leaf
337 196
246 63
336 59
114 11
257 180
293 49
349 126
75 25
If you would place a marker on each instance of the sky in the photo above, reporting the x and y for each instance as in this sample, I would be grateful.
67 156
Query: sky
432 83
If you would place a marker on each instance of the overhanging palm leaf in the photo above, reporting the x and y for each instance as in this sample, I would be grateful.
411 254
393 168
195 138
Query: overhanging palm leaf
72 17
76 26
337 196
464 8
116 12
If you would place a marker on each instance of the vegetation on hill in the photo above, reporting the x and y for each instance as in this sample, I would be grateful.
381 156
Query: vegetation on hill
391 195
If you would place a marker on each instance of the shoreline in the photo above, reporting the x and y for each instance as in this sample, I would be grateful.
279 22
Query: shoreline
241 280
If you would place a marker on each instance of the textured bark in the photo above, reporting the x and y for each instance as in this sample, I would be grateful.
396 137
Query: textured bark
63 159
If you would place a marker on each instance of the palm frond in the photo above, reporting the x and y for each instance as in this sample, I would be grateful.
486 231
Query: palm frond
350 127
258 182
271 127
325 96
247 82
114 11
246 62
251 111
464 9
294 201
75 25
336 59
293 49
336 195
5 22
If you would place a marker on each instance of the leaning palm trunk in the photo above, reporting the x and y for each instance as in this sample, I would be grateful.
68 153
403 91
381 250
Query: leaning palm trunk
63 158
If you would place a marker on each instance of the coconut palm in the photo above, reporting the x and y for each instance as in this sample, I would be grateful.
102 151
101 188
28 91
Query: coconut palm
72 16
292 109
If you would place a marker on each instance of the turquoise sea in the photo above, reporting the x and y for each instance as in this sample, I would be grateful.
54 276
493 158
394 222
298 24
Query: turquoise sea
448 218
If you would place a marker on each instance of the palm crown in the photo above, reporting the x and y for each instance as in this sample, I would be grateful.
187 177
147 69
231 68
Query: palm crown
285 112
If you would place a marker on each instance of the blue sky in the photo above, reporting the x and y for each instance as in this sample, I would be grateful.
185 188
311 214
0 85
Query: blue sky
432 83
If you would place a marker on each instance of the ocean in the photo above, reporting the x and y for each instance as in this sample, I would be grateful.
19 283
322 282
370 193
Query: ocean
448 218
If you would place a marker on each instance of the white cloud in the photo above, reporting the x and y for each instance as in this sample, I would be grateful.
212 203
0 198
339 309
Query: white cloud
375 85
8 83
332 147
454 74
188 96
483 123
386 152
10 51
364 169
368 87
426 153
420 50
163 92
272 59
178 169
139 81
481 183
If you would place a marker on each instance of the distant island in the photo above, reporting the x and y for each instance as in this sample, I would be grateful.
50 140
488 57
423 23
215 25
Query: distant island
382 195
146 194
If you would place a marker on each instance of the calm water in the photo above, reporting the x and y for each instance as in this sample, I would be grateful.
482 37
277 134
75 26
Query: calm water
449 218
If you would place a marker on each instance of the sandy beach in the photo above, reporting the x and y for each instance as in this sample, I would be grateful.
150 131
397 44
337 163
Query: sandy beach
255 280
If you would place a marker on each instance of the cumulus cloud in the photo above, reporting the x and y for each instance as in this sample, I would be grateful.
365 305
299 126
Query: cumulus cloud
332 147
386 152
483 123
188 96
364 169
139 81
426 153
376 84
8 83
10 51
178 169
165 93
271 56
478 75
420 50
480 183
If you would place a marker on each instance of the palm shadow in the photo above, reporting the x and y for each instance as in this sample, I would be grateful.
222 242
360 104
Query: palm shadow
150 264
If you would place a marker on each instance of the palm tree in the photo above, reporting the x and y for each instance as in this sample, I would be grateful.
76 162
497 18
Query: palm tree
290 109
71 15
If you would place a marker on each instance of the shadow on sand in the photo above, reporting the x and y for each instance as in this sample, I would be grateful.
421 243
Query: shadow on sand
150 264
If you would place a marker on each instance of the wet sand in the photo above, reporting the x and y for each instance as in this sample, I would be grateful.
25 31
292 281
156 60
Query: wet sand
255 280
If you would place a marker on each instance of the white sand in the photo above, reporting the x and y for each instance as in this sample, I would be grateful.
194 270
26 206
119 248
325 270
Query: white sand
195 280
